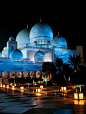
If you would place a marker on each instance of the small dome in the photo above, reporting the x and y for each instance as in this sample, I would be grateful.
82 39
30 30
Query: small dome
39 56
23 38
41 31
59 41
11 38
16 55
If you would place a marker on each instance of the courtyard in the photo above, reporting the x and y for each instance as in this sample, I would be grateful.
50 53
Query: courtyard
49 101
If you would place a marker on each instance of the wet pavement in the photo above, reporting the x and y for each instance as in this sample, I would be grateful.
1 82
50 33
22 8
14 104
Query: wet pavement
46 102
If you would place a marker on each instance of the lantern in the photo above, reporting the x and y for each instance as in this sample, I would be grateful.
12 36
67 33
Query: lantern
79 102
81 96
22 87
38 90
78 96
75 95
41 86
13 87
63 88
7 86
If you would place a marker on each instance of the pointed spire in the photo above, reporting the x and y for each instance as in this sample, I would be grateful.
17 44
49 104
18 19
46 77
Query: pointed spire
27 24
40 19
58 34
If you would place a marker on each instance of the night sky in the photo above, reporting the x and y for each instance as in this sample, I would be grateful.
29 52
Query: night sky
67 18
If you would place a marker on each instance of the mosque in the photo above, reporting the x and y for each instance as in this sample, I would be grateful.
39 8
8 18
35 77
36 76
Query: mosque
26 54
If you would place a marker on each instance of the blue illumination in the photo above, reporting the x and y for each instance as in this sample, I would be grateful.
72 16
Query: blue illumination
16 55
28 57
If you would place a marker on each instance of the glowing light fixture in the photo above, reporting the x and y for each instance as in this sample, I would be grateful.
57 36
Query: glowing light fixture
41 86
63 89
38 90
3 85
79 102
75 95
78 96
7 86
22 87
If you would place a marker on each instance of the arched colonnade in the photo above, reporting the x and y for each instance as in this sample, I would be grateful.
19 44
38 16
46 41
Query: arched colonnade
20 74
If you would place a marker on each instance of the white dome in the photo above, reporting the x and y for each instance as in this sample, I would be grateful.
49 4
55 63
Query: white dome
16 55
23 38
41 31
59 41
11 38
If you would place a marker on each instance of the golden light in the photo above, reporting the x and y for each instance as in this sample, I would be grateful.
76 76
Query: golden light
75 95
81 96
13 87
22 87
41 86
7 86
63 89
11 84
3 85
79 102
38 94
38 90
76 102
14 84
22 90
78 96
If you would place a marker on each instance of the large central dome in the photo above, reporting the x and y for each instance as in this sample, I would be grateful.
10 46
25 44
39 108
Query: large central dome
23 38
41 31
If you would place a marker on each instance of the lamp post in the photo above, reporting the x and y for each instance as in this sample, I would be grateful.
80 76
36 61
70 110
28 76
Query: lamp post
78 95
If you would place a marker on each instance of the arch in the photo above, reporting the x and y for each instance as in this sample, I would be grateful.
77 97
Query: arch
25 74
38 74
32 73
39 41
19 73
12 48
42 41
45 41
4 74
12 74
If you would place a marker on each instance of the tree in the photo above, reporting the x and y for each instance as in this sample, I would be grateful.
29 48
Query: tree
47 69
66 70
75 60
59 64
78 77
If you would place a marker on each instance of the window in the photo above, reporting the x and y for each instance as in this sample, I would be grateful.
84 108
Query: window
45 41
39 41
12 48
42 41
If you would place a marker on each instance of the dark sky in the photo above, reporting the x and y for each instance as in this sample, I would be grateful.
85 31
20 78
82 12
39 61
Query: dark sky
67 18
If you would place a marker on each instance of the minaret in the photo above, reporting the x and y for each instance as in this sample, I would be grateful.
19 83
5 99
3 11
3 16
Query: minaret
27 24
40 19
58 34
79 51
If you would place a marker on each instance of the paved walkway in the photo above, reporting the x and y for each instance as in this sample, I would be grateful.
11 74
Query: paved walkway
15 102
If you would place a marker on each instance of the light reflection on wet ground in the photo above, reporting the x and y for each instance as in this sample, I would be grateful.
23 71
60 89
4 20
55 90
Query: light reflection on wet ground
49 101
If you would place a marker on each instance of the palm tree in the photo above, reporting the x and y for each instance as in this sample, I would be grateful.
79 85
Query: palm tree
47 69
59 64
75 60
